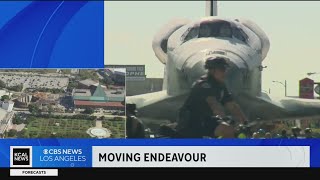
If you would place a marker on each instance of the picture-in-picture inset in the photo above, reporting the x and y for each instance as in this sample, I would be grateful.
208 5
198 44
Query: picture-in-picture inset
62 103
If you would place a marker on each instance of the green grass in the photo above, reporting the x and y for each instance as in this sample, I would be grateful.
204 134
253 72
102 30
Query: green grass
117 127
68 128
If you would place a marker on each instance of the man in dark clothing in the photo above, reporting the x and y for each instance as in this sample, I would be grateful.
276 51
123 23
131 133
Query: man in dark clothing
308 133
207 98
295 132
134 127
284 134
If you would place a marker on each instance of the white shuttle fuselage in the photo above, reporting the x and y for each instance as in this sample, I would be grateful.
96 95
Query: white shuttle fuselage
183 46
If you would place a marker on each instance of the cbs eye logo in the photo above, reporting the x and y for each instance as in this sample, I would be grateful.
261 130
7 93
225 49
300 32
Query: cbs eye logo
20 156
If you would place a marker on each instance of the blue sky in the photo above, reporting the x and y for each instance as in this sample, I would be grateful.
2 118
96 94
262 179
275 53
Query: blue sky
292 27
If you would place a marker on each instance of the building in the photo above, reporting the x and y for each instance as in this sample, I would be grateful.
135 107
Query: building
149 85
103 105
115 75
7 105
81 93
85 84
83 98
133 72
137 81
115 95
3 122
44 99
23 101
306 86
118 75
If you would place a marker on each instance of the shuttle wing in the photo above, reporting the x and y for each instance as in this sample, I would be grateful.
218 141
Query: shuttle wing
158 105
268 108
147 99
298 106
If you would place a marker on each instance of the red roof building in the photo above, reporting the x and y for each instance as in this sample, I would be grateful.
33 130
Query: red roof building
104 105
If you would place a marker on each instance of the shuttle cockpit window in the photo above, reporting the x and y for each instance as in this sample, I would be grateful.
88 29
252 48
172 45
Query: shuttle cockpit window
215 29
240 34
218 28
191 33
225 30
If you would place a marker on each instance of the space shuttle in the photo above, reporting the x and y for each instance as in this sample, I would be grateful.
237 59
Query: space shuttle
182 46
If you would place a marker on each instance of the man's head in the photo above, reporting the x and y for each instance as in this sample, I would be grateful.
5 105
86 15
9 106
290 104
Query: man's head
283 132
255 135
131 109
295 130
268 135
308 132
217 67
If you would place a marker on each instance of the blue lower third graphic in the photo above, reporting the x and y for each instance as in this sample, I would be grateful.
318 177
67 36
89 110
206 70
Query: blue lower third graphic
79 152
52 34
57 156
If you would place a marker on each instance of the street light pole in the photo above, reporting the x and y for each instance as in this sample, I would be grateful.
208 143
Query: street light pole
283 84
285 88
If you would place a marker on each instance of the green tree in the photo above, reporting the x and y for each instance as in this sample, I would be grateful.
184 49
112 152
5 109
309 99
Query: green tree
23 134
34 109
17 88
88 111
5 97
17 119
12 133
92 118
72 85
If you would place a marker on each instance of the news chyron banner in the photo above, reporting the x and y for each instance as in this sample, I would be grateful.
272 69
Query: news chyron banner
52 34
70 153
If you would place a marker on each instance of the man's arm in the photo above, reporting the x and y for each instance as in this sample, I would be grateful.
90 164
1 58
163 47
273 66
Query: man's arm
215 106
236 111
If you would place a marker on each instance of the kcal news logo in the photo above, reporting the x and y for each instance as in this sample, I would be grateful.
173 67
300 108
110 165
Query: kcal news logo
20 156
